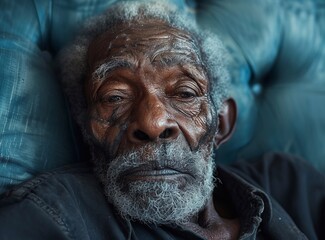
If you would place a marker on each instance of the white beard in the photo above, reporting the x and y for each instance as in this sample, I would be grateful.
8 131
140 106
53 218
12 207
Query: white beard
160 202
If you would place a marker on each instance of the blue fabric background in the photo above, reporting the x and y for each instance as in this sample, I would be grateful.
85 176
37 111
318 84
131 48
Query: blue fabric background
277 66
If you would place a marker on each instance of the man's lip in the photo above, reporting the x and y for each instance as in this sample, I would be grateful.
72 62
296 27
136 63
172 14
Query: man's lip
139 173
159 172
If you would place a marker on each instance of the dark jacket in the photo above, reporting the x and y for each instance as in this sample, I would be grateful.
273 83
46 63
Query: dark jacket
69 204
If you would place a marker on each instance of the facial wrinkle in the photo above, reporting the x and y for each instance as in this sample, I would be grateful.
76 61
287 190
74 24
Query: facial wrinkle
191 116
198 75
133 40
183 49
211 124
168 56
188 109
113 121
165 58
112 147
171 35
96 115
122 41
208 120
180 41
122 37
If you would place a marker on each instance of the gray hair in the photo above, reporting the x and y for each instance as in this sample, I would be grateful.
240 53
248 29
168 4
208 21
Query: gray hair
73 59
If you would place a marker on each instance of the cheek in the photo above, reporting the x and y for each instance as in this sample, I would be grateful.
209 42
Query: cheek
103 133
189 109
107 124
196 121
98 129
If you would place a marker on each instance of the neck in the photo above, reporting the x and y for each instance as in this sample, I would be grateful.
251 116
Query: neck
211 225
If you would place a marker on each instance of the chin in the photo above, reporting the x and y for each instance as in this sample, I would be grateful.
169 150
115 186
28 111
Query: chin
160 200
157 202
179 180
170 186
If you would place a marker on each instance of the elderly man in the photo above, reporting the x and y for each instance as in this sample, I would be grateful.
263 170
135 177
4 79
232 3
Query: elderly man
149 91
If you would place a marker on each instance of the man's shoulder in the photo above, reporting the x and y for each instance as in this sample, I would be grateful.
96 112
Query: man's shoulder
67 203
53 181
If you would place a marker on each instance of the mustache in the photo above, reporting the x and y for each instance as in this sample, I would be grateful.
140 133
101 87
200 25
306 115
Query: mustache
151 157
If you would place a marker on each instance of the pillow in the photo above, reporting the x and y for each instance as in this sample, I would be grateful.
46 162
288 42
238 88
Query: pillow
277 69
278 75
35 133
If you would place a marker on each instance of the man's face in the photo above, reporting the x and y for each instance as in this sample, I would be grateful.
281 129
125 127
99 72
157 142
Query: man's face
152 119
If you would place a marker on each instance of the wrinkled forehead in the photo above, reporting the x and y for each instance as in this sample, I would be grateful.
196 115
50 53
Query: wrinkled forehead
152 39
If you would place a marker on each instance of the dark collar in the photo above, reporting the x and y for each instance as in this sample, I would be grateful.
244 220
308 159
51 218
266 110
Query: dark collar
252 205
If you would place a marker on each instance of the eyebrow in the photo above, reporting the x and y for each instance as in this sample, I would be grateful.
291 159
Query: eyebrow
104 69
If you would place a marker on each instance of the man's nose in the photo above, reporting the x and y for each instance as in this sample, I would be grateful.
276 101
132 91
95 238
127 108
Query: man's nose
152 122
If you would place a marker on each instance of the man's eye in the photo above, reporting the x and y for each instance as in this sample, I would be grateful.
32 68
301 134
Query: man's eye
113 99
186 94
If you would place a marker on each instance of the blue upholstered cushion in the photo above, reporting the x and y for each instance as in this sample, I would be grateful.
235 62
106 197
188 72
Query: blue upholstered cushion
277 67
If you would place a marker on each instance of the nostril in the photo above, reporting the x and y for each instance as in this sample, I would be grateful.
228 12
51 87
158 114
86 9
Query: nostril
166 134
141 135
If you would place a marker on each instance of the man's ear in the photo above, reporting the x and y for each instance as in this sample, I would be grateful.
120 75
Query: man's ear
227 121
